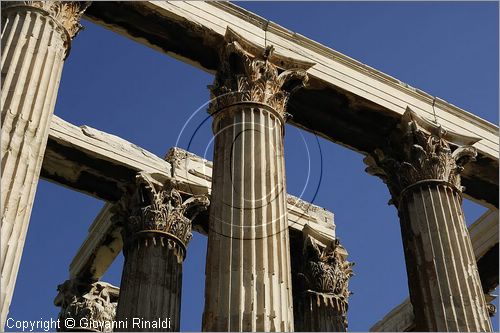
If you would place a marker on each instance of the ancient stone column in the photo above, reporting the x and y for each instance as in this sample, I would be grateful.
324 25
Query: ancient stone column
421 166
156 223
86 307
248 281
321 287
36 37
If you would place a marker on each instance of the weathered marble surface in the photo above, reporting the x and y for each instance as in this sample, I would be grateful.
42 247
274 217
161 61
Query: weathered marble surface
484 238
422 171
320 276
156 229
36 37
248 283
92 305
348 102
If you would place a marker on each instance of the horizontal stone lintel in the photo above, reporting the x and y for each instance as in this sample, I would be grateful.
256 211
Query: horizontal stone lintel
346 101
104 241
102 165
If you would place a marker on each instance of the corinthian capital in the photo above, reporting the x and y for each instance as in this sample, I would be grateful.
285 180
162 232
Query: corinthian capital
326 273
248 73
157 208
420 151
66 13
84 302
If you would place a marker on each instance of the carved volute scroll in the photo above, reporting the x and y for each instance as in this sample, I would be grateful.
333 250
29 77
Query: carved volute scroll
66 13
249 74
156 211
492 309
419 151
84 302
326 273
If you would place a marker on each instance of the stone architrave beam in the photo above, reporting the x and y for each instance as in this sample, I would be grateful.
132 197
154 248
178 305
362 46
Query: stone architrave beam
347 102
101 164
104 241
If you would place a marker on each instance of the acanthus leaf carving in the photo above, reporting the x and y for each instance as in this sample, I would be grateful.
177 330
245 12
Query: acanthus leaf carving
418 152
154 206
246 77
84 302
66 13
325 273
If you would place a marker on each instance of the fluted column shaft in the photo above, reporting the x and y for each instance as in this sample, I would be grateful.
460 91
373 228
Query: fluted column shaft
35 40
321 275
151 285
441 266
157 228
422 167
248 285
248 278
319 313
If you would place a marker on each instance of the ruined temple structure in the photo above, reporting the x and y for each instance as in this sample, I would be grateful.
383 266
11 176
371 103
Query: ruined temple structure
274 261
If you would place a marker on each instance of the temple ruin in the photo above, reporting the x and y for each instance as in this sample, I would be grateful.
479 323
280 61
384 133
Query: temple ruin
274 261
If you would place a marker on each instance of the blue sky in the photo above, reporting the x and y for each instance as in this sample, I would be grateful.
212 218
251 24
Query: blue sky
447 49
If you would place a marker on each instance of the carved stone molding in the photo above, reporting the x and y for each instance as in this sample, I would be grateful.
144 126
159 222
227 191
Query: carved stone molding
155 210
85 302
249 74
420 151
66 13
492 309
326 273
